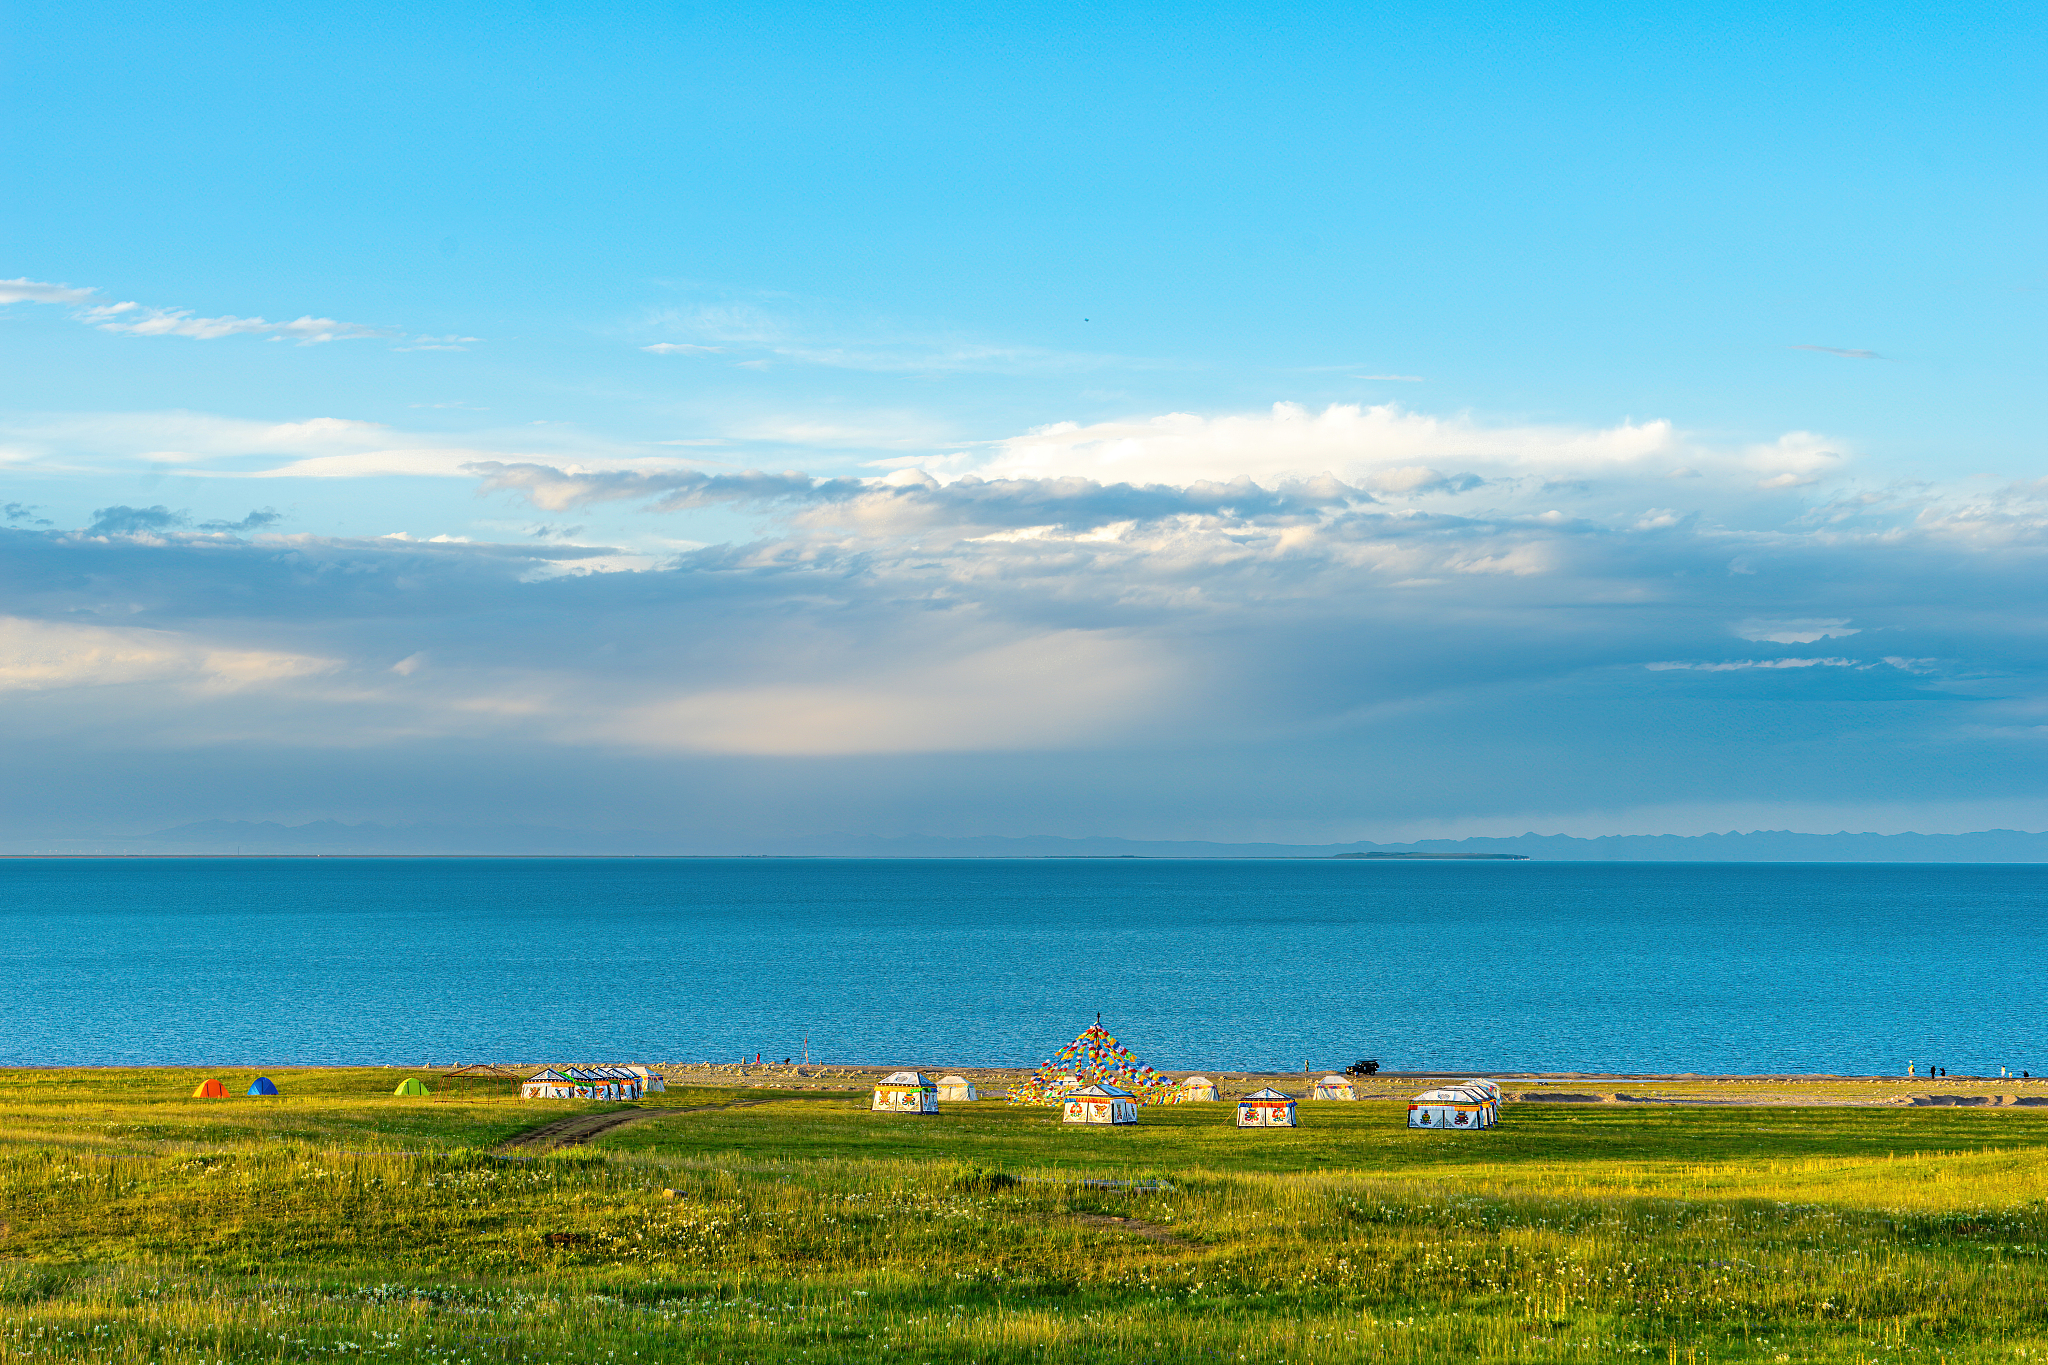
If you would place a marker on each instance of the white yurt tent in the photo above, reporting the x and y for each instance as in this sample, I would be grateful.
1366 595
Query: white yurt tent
1196 1088
1451 1107
1099 1104
905 1092
1492 1093
956 1088
1335 1088
1266 1109
651 1081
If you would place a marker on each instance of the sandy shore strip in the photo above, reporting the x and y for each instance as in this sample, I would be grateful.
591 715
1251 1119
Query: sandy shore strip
1557 1087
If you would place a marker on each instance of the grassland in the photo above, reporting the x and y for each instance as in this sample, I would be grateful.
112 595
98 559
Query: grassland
756 1224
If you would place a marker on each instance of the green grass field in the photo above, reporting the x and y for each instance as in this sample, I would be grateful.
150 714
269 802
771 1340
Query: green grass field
761 1225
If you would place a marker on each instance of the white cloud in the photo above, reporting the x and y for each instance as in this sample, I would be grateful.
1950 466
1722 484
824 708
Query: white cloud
1799 632
782 330
1386 447
446 343
135 319
1348 440
132 319
390 460
38 656
1737 665
35 291
209 446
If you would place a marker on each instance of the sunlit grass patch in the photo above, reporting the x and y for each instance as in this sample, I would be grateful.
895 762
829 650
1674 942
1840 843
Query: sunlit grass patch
141 1225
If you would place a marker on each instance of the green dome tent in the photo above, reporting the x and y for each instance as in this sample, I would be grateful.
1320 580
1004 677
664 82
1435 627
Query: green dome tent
410 1086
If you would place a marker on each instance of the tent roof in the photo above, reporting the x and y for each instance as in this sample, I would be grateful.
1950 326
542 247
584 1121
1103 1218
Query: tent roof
1334 1079
954 1080
1453 1095
1104 1092
1269 1093
600 1073
910 1078
1197 1080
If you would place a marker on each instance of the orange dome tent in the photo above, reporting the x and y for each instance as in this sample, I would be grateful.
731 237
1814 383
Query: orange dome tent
210 1090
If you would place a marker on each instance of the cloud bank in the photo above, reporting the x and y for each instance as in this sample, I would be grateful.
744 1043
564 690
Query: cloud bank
1287 619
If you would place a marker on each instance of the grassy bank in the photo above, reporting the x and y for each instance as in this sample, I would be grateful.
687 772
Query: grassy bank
763 1226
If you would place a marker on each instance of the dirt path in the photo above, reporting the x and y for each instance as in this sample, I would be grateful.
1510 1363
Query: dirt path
579 1129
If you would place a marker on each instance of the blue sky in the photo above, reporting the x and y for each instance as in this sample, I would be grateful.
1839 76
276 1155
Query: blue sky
1190 422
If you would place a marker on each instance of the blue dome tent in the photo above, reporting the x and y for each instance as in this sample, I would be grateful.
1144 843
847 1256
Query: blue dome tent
263 1086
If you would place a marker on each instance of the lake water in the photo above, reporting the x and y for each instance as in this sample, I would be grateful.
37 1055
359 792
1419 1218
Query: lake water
1227 965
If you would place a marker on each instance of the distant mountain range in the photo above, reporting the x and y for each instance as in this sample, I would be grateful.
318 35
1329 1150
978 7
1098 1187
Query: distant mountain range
331 837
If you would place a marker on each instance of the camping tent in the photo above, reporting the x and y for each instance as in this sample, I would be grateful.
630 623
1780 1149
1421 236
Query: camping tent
1485 1094
1095 1057
956 1088
1266 1108
1452 1107
905 1092
262 1085
651 1081
410 1086
210 1090
1335 1088
1100 1104
582 1083
1197 1088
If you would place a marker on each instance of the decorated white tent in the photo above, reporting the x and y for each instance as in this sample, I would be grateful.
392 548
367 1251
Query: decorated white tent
956 1088
1453 1107
651 1081
1100 1104
1266 1108
1197 1088
905 1092
581 1083
1335 1088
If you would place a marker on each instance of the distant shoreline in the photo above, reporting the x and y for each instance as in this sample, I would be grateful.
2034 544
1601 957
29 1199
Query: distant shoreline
835 857
1491 857
1609 1091
1019 858
214 839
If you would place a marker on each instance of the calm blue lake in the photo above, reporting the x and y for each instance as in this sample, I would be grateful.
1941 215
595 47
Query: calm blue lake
1491 966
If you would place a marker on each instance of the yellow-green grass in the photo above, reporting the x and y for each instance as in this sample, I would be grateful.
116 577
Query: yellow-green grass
765 1226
